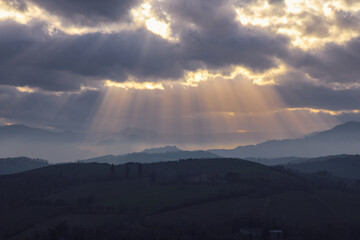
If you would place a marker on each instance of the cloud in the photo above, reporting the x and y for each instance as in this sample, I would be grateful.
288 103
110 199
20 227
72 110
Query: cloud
208 32
305 94
83 12
299 49
335 63
63 63
65 111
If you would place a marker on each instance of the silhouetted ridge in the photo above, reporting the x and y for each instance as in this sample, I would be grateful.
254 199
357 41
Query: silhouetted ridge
20 164
342 139
345 166
189 199
145 157
164 149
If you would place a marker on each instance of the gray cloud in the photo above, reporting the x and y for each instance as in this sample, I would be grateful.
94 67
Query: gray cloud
334 63
347 20
63 63
83 12
304 94
66 111
219 40
208 37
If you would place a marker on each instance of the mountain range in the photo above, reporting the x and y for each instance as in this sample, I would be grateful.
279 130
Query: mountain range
163 154
342 139
55 146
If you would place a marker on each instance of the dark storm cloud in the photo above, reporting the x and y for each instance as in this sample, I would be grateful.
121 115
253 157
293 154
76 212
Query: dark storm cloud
218 40
138 53
334 63
209 36
302 94
16 38
66 111
62 63
83 12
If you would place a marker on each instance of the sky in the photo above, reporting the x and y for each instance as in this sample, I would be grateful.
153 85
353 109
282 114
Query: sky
217 73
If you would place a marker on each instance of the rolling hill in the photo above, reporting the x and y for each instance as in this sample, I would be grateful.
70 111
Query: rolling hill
345 166
188 199
151 155
20 164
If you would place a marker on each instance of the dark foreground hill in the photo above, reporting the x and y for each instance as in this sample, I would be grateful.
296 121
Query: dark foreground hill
188 199
345 166
20 164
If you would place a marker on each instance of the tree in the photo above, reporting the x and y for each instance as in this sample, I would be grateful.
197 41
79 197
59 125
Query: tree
140 170
112 171
127 171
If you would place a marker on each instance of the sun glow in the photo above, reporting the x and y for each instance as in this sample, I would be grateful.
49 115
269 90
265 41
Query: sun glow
25 89
330 112
143 15
135 85
259 78
214 111
158 27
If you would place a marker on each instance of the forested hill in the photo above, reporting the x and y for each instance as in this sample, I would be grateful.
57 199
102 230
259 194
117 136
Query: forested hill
20 164
188 199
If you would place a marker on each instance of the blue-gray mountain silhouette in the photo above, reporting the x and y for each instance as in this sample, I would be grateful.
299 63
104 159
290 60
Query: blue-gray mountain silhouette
342 139
156 155
164 149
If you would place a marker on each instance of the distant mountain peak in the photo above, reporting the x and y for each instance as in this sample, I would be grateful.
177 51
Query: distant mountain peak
341 139
348 125
164 149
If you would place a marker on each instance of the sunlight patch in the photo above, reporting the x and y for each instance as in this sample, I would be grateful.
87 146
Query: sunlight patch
135 85
330 112
145 16
25 89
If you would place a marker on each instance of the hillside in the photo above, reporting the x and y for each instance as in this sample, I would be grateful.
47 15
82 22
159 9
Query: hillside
151 155
342 139
278 161
188 199
345 166
20 164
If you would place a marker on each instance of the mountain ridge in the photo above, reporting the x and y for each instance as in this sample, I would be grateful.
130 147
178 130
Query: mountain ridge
341 139
146 157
